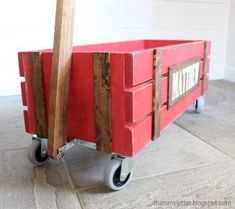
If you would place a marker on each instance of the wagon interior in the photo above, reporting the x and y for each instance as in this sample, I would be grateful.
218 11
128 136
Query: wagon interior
128 46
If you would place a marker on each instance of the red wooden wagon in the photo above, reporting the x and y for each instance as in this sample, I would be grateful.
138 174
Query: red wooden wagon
121 96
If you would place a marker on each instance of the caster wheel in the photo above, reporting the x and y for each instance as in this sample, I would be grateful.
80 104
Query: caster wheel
112 176
200 102
34 154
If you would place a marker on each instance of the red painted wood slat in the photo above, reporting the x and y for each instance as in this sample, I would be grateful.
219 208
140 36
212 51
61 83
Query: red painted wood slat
139 67
25 68
23 93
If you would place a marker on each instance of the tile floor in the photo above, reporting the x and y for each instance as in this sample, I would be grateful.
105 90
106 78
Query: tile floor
194 160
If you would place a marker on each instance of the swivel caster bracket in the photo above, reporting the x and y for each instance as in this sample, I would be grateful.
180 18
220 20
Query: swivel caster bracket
44 145
127 165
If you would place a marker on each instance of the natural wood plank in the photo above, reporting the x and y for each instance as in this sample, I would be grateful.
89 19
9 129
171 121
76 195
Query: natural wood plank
102 101
205 60
38 94
157 70
60 79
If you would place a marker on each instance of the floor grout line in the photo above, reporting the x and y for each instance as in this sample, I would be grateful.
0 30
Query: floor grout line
13 149
177 171
80 200
200 138
81 203
89 188
167 173
68 174
153 176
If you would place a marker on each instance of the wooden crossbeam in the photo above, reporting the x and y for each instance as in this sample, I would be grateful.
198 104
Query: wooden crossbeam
38 94
205 62
60 78
157 78
102 99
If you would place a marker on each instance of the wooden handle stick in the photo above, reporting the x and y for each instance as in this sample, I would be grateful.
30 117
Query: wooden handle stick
60 75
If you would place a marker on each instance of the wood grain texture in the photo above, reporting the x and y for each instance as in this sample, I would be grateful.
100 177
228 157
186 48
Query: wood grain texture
38 94
60 78
157 71
102 101
205 70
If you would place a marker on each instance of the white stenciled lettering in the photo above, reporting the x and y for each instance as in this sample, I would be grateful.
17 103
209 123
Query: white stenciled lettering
184 80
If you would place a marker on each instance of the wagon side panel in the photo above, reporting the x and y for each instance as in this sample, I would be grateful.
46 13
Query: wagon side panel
169 115
177 56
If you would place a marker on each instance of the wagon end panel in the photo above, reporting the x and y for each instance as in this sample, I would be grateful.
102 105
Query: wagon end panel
82 118
80 122
102 99
81 114
32 88
46 69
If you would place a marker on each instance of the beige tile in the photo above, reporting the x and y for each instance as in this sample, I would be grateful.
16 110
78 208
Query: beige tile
210 183
176 150
24 186
168 169
12 131
216 124
16 181
86 166
223 84
52 188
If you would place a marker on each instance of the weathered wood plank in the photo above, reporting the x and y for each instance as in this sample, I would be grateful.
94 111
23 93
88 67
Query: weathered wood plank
38 94
60 78
157 71
102 101
205 70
